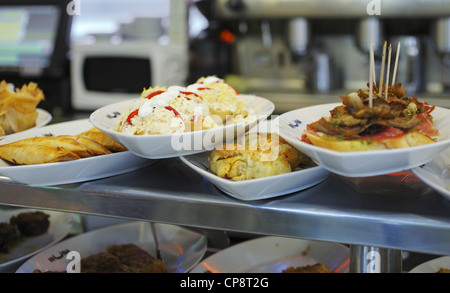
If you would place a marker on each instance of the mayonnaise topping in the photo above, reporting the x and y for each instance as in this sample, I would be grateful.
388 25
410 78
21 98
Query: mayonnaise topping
211 79
161 100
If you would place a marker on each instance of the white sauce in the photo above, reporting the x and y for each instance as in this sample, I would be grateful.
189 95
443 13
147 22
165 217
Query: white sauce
211 79
161 100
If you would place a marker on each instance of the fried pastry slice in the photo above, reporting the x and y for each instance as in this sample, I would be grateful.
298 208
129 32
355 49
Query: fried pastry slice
256 156
103 139
35 154
18 108
93 146
57 141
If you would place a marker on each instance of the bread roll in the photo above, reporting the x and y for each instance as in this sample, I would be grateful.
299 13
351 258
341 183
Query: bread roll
412 138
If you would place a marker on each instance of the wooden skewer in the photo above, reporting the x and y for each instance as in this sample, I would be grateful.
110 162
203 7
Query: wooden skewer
374 77
371 72
387 72
396 64
383 60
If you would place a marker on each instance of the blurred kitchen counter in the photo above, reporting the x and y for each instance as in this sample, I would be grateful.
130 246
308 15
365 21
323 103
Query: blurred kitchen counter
285 102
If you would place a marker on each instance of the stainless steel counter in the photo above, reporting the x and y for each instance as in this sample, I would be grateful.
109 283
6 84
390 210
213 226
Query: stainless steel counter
394 211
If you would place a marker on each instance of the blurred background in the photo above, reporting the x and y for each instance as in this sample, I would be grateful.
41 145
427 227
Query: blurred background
86 54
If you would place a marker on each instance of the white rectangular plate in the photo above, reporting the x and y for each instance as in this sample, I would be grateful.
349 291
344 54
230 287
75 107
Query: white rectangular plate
71 171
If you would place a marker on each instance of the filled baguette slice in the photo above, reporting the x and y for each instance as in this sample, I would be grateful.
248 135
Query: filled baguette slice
391 122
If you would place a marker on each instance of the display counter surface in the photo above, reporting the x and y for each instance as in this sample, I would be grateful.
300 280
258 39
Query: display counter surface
395 211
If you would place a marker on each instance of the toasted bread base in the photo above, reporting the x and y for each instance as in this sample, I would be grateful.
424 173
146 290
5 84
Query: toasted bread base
410 139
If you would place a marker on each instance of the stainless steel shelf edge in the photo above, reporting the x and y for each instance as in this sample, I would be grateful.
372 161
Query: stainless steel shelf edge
395 211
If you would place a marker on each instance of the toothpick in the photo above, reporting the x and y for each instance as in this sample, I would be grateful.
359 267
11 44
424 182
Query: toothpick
371 71
387 72
374 76
396 64
383 60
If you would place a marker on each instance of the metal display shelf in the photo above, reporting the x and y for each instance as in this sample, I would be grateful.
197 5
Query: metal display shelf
391 213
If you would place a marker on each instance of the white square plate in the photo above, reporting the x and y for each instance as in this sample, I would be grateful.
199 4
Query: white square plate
259 188
291 126
173 145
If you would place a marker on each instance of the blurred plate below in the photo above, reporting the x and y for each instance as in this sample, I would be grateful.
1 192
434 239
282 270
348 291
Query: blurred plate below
181 248
60 226
436 173
275 254
432 266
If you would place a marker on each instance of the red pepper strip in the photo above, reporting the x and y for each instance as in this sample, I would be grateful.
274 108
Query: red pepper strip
154 94
132 114
237 93
174 111
388 133
190 93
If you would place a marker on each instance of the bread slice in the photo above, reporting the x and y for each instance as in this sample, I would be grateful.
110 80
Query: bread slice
410 139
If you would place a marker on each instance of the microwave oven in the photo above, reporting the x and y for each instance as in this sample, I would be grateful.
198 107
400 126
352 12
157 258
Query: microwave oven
103 73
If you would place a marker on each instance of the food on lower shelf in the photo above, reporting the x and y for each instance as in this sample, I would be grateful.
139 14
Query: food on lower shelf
443 270
391 122
31 223
257 155
18 107
25 224
8 236
50 149
315 268
206 104
124 258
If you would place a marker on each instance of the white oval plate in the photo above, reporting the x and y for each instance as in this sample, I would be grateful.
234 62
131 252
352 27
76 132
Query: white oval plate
259 188
181 249
432 266
174 145
43 118
70 171
431 173
291 126
274 254
60 225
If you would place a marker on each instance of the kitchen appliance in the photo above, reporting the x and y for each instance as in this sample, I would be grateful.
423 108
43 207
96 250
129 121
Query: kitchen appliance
145 51
299 53
103 72
34 41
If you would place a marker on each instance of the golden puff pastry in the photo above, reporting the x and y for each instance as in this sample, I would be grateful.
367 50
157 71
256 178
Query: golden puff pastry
35 154
55 142
18 108
94 147
103 139
256 156
50 149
